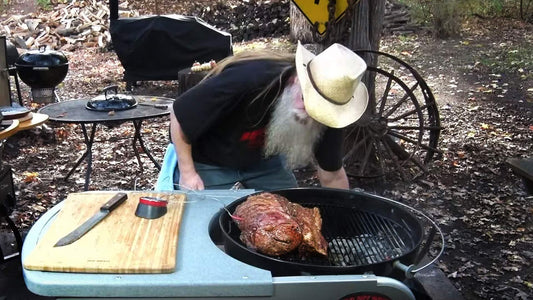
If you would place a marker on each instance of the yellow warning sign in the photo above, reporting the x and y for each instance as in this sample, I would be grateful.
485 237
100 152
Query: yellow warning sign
317 11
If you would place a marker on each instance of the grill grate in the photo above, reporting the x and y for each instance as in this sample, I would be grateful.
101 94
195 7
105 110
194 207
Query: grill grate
377 240
358 238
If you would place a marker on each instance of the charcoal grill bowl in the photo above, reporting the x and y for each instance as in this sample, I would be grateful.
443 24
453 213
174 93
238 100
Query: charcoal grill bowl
42 68
342 203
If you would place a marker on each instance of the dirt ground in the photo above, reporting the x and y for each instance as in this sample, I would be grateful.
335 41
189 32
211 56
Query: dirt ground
484 93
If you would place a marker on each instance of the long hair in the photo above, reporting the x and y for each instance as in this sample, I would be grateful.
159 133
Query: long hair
260 55
251 55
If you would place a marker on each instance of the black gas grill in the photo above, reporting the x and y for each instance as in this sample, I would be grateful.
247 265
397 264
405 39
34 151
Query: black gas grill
158 47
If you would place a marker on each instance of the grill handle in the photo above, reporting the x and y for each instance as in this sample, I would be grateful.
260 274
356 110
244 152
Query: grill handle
412 269
422 251
408 270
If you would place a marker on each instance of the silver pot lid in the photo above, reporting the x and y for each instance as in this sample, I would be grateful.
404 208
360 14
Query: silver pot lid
111 100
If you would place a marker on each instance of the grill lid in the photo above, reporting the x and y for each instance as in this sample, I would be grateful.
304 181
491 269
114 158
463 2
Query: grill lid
41 57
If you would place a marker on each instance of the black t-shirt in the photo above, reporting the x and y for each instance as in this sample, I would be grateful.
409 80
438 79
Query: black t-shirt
225 121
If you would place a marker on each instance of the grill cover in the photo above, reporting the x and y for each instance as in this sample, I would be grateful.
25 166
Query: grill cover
157 47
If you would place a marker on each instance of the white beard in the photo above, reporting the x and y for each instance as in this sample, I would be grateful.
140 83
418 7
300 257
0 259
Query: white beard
291 132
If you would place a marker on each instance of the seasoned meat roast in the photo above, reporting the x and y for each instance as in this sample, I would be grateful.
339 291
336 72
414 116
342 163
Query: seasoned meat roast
272 225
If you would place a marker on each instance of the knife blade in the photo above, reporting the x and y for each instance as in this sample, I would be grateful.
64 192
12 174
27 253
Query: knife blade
105 210
160 106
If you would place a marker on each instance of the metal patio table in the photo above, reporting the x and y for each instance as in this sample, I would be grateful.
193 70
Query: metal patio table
74 111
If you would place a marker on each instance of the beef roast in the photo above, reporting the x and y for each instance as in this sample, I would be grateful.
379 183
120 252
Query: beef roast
310 223
272 225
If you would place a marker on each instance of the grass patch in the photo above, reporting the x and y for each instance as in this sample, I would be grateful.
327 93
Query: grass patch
508 58
44 4
446 16
3 5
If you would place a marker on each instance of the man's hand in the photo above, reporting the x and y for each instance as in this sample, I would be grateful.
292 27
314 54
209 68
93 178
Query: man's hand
191 181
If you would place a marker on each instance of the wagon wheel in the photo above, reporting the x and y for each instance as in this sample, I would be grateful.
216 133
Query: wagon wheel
398 135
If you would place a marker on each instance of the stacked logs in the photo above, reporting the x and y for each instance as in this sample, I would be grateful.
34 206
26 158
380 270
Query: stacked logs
249 19
85 23
255 19
397 19
69 26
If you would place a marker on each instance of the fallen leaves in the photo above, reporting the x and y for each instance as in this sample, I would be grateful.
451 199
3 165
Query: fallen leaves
487 217
28 177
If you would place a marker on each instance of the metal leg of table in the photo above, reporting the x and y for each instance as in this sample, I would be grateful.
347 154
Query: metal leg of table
87 154
137 137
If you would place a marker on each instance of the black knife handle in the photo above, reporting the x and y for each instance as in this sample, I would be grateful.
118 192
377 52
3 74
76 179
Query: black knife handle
118 199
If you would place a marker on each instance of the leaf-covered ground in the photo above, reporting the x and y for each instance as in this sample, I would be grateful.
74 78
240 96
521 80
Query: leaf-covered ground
482 82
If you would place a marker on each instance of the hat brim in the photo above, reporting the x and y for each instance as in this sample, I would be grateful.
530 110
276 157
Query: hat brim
322 110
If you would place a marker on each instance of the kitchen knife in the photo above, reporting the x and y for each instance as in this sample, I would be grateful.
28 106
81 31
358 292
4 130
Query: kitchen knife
105 210
160 106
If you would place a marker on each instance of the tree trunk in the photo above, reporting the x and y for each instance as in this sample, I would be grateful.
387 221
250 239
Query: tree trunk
366 31
301 28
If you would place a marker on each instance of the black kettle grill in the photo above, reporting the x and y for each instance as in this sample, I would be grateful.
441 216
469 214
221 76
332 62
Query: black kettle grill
42 70
365 233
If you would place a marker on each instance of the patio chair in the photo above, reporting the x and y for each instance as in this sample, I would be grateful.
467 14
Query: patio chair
165 179
7 204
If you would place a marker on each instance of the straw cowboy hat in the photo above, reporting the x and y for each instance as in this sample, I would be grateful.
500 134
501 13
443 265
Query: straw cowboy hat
331 85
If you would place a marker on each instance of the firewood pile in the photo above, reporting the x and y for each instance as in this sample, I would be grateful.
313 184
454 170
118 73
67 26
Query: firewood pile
397 19
85 23
255 19
69 26
248 20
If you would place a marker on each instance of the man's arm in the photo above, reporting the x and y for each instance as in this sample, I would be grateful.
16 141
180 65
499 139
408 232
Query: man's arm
189 178
333 179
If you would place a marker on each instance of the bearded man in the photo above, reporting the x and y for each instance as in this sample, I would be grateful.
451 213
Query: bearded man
256 116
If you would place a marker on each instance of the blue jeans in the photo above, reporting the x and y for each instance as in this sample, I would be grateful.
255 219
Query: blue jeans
266 175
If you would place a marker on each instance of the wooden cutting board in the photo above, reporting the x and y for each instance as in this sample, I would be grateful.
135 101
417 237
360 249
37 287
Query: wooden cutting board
120 243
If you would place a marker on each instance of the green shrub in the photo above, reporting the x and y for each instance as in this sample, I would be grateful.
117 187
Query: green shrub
446 16
3 4
44 4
